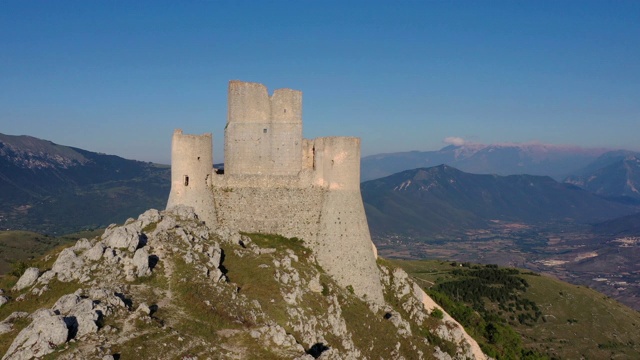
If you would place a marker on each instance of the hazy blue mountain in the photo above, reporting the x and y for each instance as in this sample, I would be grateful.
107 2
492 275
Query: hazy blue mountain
53 188
615 174
502 159
442 199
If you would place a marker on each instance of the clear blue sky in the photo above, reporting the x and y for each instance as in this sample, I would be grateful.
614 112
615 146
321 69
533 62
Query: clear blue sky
119 76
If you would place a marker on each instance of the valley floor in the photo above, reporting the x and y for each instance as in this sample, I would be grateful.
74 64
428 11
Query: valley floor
607 264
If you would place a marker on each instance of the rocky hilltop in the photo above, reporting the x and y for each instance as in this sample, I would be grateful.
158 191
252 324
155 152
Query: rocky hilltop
166 286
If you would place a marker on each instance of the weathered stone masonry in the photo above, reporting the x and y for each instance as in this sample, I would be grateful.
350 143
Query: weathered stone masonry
277 182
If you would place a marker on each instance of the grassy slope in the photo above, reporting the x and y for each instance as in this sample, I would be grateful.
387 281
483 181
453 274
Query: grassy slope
578 322
20 246
185 324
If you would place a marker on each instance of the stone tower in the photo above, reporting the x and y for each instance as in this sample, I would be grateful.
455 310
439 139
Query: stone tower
263 133
192 174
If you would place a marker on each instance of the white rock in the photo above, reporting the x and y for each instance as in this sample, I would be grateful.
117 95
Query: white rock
148 217
86 318
27 279
141 262
46 277
41 337
82 244
167 223
66 265
123 237
41 291
95 253
314 284
79 314
215 255
5 327
66 303
216 275
183 211
144 308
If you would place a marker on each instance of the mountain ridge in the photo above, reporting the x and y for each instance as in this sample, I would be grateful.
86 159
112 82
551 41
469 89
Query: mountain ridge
615 174
428 201
43 184
557 161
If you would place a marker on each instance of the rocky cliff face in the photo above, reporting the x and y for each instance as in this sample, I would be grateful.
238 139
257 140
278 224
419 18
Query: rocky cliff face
164 286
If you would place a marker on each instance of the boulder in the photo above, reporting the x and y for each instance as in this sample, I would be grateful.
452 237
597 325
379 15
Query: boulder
82 244
66 265
66 303
183 211
95 253
124 237
141 262
79 313
41 337
46 277
148 217
27 279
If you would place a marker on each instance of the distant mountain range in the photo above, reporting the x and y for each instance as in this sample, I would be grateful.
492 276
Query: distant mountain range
614 174
501 159
443 200
52 188
56 189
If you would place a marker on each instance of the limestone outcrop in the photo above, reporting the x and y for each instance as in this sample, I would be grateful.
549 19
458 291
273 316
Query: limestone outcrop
46 331
188 290
27 279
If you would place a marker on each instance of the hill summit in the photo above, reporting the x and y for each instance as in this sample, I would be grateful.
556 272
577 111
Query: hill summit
167 286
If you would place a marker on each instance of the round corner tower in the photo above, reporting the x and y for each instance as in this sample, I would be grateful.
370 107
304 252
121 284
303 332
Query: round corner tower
191 174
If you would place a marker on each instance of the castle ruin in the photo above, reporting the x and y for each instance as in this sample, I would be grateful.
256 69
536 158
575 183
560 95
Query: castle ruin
276 182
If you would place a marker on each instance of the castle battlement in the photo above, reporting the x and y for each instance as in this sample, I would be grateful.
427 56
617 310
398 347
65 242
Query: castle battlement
250 103
263 134
276 182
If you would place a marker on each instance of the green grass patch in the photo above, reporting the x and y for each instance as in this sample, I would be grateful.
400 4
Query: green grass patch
553 319
374 333
30 304
280 243
204 320
257 282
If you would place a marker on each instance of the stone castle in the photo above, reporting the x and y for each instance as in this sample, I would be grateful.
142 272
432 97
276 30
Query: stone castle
277 182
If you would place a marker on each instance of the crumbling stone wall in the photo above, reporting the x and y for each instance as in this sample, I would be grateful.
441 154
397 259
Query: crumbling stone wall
263 134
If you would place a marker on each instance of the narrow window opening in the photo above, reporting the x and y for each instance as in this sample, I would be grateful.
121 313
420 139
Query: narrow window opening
313 154
186 180
198 157
264 131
